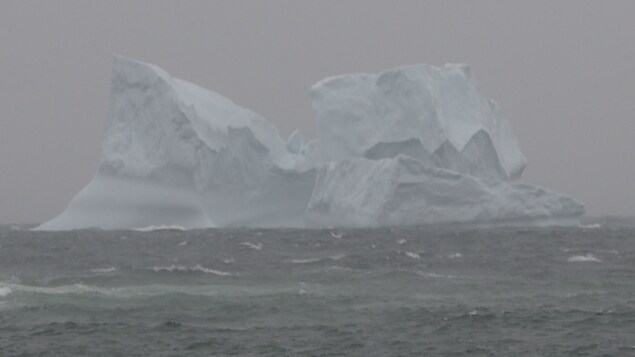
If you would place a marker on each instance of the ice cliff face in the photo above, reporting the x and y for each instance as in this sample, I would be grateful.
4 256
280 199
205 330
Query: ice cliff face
412 145
406 191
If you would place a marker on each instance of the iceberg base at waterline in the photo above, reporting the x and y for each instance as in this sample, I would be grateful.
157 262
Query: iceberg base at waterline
403 191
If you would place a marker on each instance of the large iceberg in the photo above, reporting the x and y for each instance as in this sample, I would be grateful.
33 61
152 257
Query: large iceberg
176 154
412 145
420 145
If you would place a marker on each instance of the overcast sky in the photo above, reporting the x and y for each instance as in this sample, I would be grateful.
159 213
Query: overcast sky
563 72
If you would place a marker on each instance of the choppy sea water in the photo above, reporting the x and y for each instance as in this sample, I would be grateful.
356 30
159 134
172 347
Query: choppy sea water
383 292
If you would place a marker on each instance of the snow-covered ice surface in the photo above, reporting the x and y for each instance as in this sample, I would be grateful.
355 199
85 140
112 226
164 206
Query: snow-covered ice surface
412 145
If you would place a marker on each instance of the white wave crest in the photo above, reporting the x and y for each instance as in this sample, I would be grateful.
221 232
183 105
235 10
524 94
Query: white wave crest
591 226
254 246
306 261
435 275
123 292
5 290
337 235
584 258
104 270
159 228
57 290
316 260
182 269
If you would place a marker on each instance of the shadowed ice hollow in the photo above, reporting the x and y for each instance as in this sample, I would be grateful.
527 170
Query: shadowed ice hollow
412 145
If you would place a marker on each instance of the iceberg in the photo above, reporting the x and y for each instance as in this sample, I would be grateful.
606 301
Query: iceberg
409 146
176 154
420 145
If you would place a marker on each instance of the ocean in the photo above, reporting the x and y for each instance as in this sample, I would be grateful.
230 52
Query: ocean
421 291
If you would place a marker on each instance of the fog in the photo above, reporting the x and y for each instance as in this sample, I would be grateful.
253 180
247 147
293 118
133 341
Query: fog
561 71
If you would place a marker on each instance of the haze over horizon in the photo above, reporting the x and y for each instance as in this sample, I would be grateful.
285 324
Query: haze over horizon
560 71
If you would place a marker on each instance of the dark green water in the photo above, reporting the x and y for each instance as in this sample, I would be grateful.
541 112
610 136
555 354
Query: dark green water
386 292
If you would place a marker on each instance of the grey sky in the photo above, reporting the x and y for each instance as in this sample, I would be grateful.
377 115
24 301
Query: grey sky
561 70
